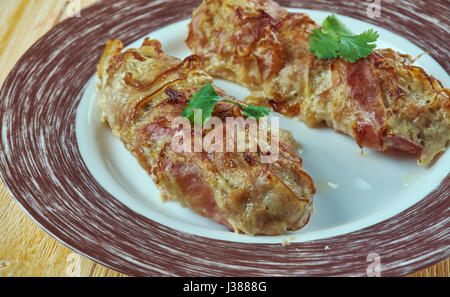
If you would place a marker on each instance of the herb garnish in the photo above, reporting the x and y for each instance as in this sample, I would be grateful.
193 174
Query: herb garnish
205 100
335 40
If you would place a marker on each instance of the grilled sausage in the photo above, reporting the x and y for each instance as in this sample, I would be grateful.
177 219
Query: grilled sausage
382 101
142 91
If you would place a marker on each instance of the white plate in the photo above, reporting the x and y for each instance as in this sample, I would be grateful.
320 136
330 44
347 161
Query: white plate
354 191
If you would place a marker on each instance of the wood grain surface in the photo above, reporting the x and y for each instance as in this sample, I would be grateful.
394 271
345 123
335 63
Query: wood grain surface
25 249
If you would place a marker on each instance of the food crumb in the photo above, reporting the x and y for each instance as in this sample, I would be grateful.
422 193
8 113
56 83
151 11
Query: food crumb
333 185
286 242
324 187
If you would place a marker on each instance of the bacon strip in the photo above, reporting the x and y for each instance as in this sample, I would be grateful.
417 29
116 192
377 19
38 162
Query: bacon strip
382 101
143 90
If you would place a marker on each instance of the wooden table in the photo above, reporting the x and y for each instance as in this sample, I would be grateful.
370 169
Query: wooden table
25 249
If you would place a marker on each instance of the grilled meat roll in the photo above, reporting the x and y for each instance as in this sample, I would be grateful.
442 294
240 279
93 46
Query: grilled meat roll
382 101
142 91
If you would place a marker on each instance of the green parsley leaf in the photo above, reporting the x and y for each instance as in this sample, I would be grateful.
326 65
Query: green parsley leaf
256 112
359 46
207 98
323 46
332 25
335 40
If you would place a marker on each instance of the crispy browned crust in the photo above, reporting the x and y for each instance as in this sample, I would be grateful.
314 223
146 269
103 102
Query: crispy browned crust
383 101
143 90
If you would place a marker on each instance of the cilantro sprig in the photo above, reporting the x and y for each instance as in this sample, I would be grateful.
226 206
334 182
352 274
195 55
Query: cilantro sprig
207 98
335 40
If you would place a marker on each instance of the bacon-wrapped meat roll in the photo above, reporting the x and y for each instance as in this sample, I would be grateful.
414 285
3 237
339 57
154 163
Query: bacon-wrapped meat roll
143 90
382 101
